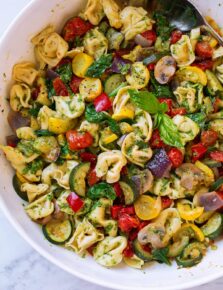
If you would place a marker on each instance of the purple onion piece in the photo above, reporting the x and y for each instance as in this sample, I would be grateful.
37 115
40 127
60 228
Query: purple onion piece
211 201
16 120
121 140
142 41
119 63
159 164
51 74
12 140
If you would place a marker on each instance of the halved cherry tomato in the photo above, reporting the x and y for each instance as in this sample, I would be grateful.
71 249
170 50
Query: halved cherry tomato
59 87
75 83
35 93
63 61
204 64
150 35
209 137
217 156
92 178
198 151
128 209
126 222
176 157
147 248
169 103
128 251
133 234
218 104
124 170
118 189
89 157
115 210
166 202
75 202
178 111
151 66
102 103
75 27
203 49
78 141
175 36
155 140
122 52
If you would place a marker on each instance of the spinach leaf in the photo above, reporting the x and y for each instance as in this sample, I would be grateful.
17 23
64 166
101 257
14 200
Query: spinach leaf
34 111
160 255
78 41
160 90
65 72
163 27
33 167
113 125
168 131
101 190
198 118
99 66
43 132
147 101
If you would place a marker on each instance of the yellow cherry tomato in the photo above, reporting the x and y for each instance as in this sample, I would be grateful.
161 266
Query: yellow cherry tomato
192 74
124 113
90 88
187 212
80 64
147 208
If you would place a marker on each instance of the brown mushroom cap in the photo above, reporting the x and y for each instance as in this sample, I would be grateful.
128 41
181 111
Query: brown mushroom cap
165 69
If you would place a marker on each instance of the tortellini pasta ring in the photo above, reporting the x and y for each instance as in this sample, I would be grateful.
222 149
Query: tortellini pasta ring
183 52
20 96
24 72
34 190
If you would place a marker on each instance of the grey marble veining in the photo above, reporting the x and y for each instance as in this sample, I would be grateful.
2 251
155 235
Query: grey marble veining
21 268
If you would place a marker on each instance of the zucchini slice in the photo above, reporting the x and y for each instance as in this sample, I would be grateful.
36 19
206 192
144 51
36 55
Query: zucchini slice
177 247
129 190
215 186
77 178
192 255
211 163
214 227
112 82
141 253
17 185
58 232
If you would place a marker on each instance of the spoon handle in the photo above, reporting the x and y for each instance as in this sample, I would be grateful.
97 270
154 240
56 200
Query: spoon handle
213 33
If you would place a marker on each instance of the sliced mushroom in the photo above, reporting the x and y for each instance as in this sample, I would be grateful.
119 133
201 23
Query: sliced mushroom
165 69
152 234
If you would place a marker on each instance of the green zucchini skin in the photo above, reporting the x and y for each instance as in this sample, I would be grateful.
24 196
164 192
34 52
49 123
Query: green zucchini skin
112 82
177 248
52 231
140 252
17 185
214 226
77 178
216 184
130 191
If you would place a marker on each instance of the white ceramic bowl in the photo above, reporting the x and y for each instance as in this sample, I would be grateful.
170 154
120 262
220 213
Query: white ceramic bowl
15 46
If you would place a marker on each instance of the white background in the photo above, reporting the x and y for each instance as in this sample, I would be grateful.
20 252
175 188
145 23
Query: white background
21 268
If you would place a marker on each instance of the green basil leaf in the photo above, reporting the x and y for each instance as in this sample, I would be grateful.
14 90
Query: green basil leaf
160 255
99 66
113 125
160 90
163 27
199 118
169 132
65 72
50 88
94 117
147 101
33 167
100 190
43 132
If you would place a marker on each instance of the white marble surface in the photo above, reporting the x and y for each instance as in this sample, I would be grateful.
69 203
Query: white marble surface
21 268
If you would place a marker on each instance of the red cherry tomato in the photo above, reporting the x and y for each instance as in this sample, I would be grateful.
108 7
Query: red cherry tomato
122 52
175 36
143 224
102 103
150 35
75 83
118 189
209 137
198 151
89 157
166 202
218 104
151 66
204 64
124 170
115 210
126 222
63 61
59 87
169 103
217 156
75 202
203 49
92 178
155 140
75 27
78 141
128 251
178 111
128 209
176 157
35 93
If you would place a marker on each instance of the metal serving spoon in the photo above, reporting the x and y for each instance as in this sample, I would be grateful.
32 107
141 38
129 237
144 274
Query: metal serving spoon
182 14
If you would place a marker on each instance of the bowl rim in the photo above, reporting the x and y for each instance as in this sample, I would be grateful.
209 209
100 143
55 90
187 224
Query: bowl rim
184 285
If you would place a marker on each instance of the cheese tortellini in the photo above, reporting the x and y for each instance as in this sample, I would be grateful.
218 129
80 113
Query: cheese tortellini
84 236
136 150
190 96
50 47
26 133
135 20
112 11
144 125
70 107
187 128
122 100
95 43
219 73
24 72
40 208
183 52
34 190
108 252
20 97
94 11
109 165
